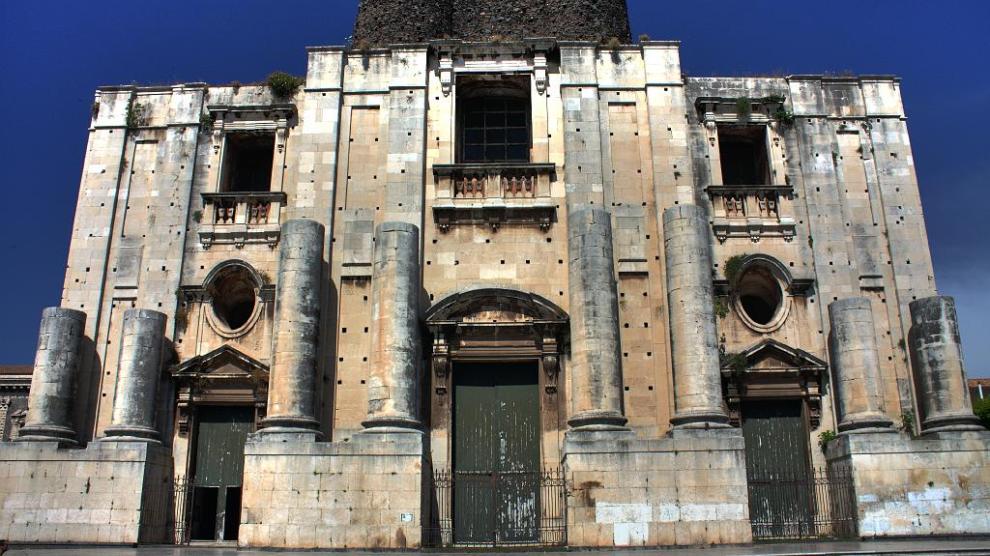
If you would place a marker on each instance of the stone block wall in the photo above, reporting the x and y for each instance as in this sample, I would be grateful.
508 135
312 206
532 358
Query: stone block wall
685 489
937 484
108 493
364 493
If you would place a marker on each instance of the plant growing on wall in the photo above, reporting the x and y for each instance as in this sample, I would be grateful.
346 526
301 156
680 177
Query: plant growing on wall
736 362
907 422
721 307
784 116
206 121
733 266
744 107
982 410
283 85
825 437
137 115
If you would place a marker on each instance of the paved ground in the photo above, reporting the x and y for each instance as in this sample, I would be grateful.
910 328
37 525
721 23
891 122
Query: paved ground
913 546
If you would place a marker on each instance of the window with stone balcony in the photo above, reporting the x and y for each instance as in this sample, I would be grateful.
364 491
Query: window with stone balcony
248 157
493 179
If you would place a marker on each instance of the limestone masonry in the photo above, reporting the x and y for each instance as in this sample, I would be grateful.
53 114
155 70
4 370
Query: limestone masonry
491 278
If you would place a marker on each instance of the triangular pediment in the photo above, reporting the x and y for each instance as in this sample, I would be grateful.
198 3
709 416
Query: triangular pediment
225 361
774 355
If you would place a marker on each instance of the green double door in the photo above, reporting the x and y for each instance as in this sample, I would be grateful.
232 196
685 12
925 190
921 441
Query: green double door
781 486
218 472
496 454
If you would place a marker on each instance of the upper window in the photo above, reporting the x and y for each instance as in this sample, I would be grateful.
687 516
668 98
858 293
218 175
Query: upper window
247 162
493 121
744 156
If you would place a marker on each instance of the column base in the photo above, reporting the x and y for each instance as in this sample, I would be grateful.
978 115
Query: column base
709 419
126 433
290 428
390 424
598 421
64 436
951 422
866 423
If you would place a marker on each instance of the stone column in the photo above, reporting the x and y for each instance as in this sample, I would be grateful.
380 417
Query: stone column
596 365
292 388
856 365
139 370
939 375
691 306
53 383
393 389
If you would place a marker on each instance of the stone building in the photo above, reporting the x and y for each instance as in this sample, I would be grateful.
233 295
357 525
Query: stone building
467 286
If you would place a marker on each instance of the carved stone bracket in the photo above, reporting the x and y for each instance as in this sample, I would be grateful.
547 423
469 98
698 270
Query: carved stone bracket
551 362
540 72
446 74
440 362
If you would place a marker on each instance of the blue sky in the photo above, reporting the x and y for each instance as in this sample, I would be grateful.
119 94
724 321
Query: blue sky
53 54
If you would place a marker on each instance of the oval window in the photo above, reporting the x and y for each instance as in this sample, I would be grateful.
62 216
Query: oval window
760 298
234 298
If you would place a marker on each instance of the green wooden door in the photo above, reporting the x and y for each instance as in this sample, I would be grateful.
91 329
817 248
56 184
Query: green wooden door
221 432
496 453
781 492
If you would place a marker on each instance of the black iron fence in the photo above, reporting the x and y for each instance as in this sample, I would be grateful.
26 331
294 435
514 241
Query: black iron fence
487 509
818 504
182 503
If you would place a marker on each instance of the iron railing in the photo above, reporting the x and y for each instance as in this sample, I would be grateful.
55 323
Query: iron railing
182 504
488 509
817 505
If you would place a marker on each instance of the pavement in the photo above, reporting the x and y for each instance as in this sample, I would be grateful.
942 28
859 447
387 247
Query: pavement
942 546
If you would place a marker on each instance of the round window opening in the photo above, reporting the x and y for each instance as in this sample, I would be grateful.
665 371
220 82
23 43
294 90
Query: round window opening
234 298
760 296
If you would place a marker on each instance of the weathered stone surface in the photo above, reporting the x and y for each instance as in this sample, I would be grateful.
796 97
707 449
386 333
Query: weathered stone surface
138 376
857 366
398 21
687 489
292 394
365 493
596 369
933 485
53 384
108 493
393 385
697 372
939 375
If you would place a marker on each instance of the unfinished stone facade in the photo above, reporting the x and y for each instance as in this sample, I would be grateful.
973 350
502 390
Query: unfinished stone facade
634 301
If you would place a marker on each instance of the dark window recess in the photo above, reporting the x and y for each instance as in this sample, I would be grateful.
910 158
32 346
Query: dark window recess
494 129
760 295
233 298
743 152
247 164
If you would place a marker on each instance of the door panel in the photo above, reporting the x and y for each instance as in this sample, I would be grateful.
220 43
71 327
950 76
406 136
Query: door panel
221 432
777 467
496 453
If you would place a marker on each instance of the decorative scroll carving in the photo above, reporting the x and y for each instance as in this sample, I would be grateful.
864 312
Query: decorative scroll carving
551 363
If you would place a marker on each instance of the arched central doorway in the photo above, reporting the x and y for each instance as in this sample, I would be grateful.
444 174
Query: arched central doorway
495 417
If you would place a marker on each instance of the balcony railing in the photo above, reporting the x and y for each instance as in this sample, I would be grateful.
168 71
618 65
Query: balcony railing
752 211
241 217
494 193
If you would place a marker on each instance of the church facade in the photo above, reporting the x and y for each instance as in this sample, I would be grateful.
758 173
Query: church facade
464 287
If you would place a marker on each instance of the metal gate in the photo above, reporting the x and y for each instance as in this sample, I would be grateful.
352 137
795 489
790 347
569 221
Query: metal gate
181 497
816 505
787 498
539 521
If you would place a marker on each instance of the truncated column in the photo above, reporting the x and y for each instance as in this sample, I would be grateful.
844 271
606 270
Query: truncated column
691 305
857 367
292 388
596 366
939 375
139 371
393 389
53 383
